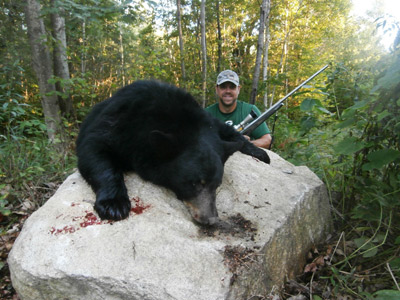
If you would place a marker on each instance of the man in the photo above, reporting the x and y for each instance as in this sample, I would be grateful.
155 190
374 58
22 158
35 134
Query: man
231 111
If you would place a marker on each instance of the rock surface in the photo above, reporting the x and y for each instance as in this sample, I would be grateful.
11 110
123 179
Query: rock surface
270 217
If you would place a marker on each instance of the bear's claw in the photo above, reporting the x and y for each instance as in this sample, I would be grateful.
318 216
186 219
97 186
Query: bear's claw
112 209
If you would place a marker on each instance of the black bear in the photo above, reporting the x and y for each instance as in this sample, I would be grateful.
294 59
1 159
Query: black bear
160 132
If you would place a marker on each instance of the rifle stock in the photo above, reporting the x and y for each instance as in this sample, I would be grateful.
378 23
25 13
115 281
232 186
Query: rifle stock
274 108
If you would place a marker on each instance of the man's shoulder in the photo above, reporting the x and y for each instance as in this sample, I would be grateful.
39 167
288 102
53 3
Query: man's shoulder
244 107
242 103
247 107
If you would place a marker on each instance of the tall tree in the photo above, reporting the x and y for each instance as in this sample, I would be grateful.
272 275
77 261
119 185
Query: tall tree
42 66
83 53
260 47
219 38
61 69
266 53
203 50
288 26
121 50
181 48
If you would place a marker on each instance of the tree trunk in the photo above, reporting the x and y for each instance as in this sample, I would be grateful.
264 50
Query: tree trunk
42 66
61 69
203 49
219 39
288 27
181 48
83 53
282 64
121 50
260 47
266 52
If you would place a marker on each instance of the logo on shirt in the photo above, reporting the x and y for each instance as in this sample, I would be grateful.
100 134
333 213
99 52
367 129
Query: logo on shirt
229 122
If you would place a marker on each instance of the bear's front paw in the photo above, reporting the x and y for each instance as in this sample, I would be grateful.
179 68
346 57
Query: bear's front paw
113 209
262 155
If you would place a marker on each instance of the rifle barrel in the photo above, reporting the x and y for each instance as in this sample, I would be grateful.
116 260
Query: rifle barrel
274 108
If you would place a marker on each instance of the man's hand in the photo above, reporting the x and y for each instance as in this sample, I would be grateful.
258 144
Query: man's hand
263 142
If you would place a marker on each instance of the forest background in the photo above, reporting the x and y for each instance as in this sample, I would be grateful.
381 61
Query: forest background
60 57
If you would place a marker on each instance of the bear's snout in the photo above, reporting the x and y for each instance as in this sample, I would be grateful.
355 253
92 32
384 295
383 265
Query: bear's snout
203 207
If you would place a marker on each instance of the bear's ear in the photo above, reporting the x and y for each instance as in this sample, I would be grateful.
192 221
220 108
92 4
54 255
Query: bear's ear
230 148
164 144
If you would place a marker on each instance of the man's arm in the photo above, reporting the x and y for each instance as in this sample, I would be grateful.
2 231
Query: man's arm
261 135
263 142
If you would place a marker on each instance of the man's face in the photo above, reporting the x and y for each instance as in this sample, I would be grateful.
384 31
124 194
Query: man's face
227 93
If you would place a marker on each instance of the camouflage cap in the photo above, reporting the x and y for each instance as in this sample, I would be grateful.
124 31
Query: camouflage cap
228 75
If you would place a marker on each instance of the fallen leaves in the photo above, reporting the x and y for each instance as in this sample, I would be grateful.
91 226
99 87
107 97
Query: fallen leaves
7 239
333 271
319 261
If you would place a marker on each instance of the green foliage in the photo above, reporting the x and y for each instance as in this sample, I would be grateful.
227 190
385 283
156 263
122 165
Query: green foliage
387 295
375 126
356 151
4 211
32 162
26 157
380 158
15 114
361 148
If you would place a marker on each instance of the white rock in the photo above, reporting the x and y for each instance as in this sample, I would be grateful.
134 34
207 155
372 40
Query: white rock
274 214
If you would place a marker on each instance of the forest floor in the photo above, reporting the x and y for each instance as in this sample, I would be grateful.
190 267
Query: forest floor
321 279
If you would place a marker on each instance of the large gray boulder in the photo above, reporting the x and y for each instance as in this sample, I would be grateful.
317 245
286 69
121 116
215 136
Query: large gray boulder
271 215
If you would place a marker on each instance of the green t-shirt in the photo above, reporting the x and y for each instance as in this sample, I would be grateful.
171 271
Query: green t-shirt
242 110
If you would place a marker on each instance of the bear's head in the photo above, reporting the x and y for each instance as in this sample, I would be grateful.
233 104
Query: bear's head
195 174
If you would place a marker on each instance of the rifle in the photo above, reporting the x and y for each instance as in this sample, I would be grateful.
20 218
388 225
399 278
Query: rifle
250 122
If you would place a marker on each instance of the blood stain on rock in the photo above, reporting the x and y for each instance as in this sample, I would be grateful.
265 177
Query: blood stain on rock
90 219
64 230
87 220
139 207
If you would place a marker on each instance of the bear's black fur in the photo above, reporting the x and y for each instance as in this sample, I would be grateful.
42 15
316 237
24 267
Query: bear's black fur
161 133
